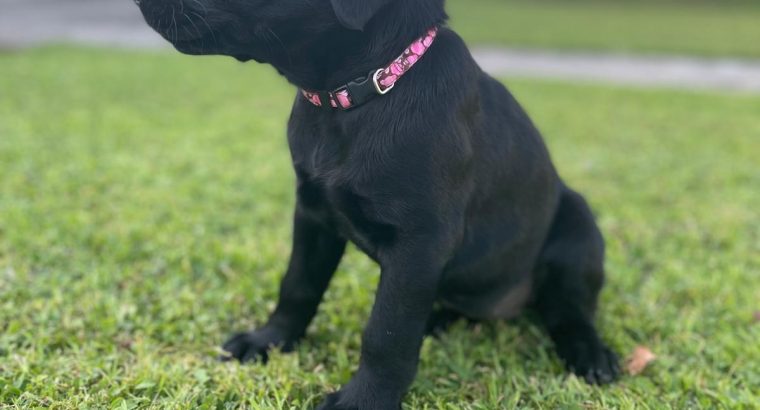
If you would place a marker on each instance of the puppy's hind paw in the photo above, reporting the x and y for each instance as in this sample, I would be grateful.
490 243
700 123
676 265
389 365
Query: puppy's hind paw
593 362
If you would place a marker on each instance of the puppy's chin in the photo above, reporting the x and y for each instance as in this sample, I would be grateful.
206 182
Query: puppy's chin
207 47
193 48
198 46
199 49
243 58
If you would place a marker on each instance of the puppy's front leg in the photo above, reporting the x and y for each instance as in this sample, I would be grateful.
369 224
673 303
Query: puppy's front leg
315 256
393 336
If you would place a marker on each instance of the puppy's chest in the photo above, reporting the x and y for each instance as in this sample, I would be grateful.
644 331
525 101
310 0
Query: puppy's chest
346 211
336 188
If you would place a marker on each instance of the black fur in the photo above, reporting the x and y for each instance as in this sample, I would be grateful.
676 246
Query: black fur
356 14
445 182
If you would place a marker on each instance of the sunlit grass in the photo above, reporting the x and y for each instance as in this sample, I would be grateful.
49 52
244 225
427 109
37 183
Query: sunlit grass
699 27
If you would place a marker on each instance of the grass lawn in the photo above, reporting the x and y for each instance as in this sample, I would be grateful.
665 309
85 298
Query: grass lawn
700 27
145 204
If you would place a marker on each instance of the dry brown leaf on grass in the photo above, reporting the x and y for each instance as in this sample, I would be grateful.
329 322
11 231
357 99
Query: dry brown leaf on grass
756 316
639 360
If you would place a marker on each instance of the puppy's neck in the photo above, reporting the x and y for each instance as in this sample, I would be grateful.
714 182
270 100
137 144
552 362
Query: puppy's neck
339 56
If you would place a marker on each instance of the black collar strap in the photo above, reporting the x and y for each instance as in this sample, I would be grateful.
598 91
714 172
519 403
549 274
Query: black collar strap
378 82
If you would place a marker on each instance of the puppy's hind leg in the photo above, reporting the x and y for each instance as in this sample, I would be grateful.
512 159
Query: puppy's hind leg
571 274
442 319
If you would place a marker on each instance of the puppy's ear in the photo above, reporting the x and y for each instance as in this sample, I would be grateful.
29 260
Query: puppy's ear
355 14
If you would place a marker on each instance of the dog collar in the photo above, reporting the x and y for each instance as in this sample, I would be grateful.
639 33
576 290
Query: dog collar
377 82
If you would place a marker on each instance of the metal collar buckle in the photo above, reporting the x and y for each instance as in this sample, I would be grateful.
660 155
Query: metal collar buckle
375 79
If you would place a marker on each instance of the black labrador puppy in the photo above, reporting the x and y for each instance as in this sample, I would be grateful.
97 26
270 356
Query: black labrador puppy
426 164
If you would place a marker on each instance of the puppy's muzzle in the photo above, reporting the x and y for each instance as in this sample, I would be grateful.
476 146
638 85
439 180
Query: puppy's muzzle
181 22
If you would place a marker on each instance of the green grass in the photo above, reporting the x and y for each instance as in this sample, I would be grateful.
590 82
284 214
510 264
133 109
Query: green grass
717 28
145 206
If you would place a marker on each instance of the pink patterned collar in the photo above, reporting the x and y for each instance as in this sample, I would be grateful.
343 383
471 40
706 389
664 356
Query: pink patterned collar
378 82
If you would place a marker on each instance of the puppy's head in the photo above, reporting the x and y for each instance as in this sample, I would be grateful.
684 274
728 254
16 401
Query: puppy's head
257 29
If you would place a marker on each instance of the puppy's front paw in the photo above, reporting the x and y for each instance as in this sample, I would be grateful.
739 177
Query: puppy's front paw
342 401
331 402
591 360
254 346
